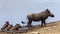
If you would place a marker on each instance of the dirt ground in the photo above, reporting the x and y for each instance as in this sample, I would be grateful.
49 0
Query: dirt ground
52 28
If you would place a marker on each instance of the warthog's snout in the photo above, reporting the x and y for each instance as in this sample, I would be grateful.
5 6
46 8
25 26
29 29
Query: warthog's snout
52 15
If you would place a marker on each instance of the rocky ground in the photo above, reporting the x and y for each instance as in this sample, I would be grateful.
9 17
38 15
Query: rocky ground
51 28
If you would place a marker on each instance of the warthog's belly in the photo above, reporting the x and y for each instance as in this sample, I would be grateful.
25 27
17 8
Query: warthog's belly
36 19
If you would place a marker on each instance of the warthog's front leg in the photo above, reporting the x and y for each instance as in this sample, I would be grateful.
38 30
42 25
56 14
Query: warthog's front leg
43 23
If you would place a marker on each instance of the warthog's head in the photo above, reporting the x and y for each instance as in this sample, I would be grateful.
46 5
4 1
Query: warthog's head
49 13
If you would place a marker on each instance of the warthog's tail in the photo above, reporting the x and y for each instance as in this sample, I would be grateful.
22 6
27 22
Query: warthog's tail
24 22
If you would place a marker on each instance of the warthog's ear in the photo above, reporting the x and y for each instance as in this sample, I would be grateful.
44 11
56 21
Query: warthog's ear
47 10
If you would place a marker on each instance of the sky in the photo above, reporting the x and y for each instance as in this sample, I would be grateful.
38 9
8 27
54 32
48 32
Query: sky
16 11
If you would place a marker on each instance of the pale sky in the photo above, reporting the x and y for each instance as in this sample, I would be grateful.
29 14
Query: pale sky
16 11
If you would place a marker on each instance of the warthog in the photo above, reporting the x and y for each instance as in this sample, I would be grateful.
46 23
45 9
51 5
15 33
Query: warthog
9 27
41 16
16 27
5 25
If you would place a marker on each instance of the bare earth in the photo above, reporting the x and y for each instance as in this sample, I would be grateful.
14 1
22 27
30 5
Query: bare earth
52 28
